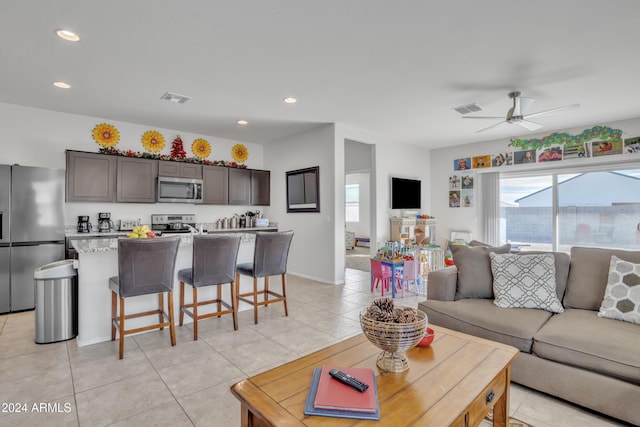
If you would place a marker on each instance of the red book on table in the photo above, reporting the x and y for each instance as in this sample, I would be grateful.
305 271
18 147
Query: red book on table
332 394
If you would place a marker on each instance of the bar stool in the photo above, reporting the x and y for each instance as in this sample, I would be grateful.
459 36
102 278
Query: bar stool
145 266
214 264
269 259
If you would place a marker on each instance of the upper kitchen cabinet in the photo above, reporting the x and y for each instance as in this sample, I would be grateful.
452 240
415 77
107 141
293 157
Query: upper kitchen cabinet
179 169
215 187
239 186
260 187
136 182
90 177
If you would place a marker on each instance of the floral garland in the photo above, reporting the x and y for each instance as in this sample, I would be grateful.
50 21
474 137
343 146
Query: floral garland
597 132
130 153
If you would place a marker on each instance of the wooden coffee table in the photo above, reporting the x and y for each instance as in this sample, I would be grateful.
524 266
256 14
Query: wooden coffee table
453 382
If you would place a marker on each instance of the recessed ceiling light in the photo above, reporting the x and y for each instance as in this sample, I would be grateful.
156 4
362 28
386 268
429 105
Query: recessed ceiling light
62 85
290 100
68 35
242 122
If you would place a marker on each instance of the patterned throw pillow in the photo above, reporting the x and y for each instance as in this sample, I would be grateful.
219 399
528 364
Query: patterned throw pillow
622 295
525 281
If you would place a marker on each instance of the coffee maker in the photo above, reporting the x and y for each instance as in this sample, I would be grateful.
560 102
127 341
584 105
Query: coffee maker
84 226
105 225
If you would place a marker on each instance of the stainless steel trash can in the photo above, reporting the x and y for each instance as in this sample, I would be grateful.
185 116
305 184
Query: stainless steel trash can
56 301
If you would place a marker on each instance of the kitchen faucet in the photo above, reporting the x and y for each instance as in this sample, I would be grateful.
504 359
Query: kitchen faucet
192 229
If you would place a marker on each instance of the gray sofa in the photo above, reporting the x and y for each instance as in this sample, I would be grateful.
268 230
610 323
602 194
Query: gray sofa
574 355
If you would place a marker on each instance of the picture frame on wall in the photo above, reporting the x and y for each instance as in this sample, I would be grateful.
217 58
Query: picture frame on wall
461 164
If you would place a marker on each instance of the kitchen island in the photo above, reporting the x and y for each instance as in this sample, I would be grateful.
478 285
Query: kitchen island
98 261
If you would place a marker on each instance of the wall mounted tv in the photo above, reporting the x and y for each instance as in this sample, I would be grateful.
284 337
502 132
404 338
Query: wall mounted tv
405 193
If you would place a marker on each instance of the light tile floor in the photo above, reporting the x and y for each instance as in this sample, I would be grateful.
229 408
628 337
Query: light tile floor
156 384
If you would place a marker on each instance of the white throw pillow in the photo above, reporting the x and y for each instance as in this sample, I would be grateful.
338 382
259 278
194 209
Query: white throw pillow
525 281
622 295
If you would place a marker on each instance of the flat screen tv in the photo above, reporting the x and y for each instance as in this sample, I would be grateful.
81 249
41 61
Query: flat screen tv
405 193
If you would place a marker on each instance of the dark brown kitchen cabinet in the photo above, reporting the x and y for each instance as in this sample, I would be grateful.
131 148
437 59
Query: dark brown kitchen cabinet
136 182
179 169
239 186
215 189
260 187
90 177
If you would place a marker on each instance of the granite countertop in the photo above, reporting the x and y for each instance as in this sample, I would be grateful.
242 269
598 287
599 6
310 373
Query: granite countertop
109 241
111 244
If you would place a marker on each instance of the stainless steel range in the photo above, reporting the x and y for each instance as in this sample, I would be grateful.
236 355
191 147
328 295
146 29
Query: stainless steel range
173 223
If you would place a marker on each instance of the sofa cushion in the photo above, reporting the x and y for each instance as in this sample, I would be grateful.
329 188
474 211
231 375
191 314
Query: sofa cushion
474 270
622 294
580 338
588 275
525 281
481 318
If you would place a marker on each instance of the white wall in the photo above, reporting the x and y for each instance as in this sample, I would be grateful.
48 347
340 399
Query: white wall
314 245
466 219
35 137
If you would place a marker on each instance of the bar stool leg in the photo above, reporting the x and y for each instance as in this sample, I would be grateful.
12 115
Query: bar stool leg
284 294
195 313
181 303
234 305
121 349
114 306
219 300
255 300
266 291
172 326
160 309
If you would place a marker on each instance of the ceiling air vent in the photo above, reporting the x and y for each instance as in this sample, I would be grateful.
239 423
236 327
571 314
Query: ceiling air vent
469 108
175 98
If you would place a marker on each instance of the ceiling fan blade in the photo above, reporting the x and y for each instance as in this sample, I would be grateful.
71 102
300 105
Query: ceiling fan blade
529 125
522 104
483 117
571 107
491 127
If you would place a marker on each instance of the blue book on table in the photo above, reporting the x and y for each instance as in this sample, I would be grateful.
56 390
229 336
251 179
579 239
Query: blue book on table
309 409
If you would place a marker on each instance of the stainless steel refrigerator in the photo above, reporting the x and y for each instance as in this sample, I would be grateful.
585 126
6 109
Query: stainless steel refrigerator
31 230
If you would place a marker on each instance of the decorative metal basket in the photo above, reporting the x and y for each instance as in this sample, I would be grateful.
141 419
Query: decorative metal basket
394 339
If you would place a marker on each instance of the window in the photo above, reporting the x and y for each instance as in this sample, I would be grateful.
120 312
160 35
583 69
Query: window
555 211
352 202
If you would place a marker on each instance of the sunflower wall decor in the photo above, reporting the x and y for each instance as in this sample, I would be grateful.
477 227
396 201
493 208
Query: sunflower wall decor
153 141
106 135
201 148
240 153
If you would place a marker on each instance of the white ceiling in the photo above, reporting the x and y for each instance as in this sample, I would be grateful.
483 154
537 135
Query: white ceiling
392 68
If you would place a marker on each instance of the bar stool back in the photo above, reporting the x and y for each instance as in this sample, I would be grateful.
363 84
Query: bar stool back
214 264
269 259
145 266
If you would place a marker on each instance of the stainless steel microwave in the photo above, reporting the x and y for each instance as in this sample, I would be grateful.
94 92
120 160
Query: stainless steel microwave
179 190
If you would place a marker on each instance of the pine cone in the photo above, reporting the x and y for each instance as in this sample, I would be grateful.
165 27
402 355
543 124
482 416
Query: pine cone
385 304
373 312
407 315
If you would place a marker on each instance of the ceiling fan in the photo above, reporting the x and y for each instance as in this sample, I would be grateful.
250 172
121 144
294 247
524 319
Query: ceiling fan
516 114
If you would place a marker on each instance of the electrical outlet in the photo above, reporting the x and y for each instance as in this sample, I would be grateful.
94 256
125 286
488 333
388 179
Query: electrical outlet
127 224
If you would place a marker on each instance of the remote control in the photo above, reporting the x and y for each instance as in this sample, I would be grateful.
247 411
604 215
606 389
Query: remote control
348 380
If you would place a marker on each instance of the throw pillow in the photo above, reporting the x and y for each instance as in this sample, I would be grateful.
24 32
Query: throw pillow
622 294
525 281
474 270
